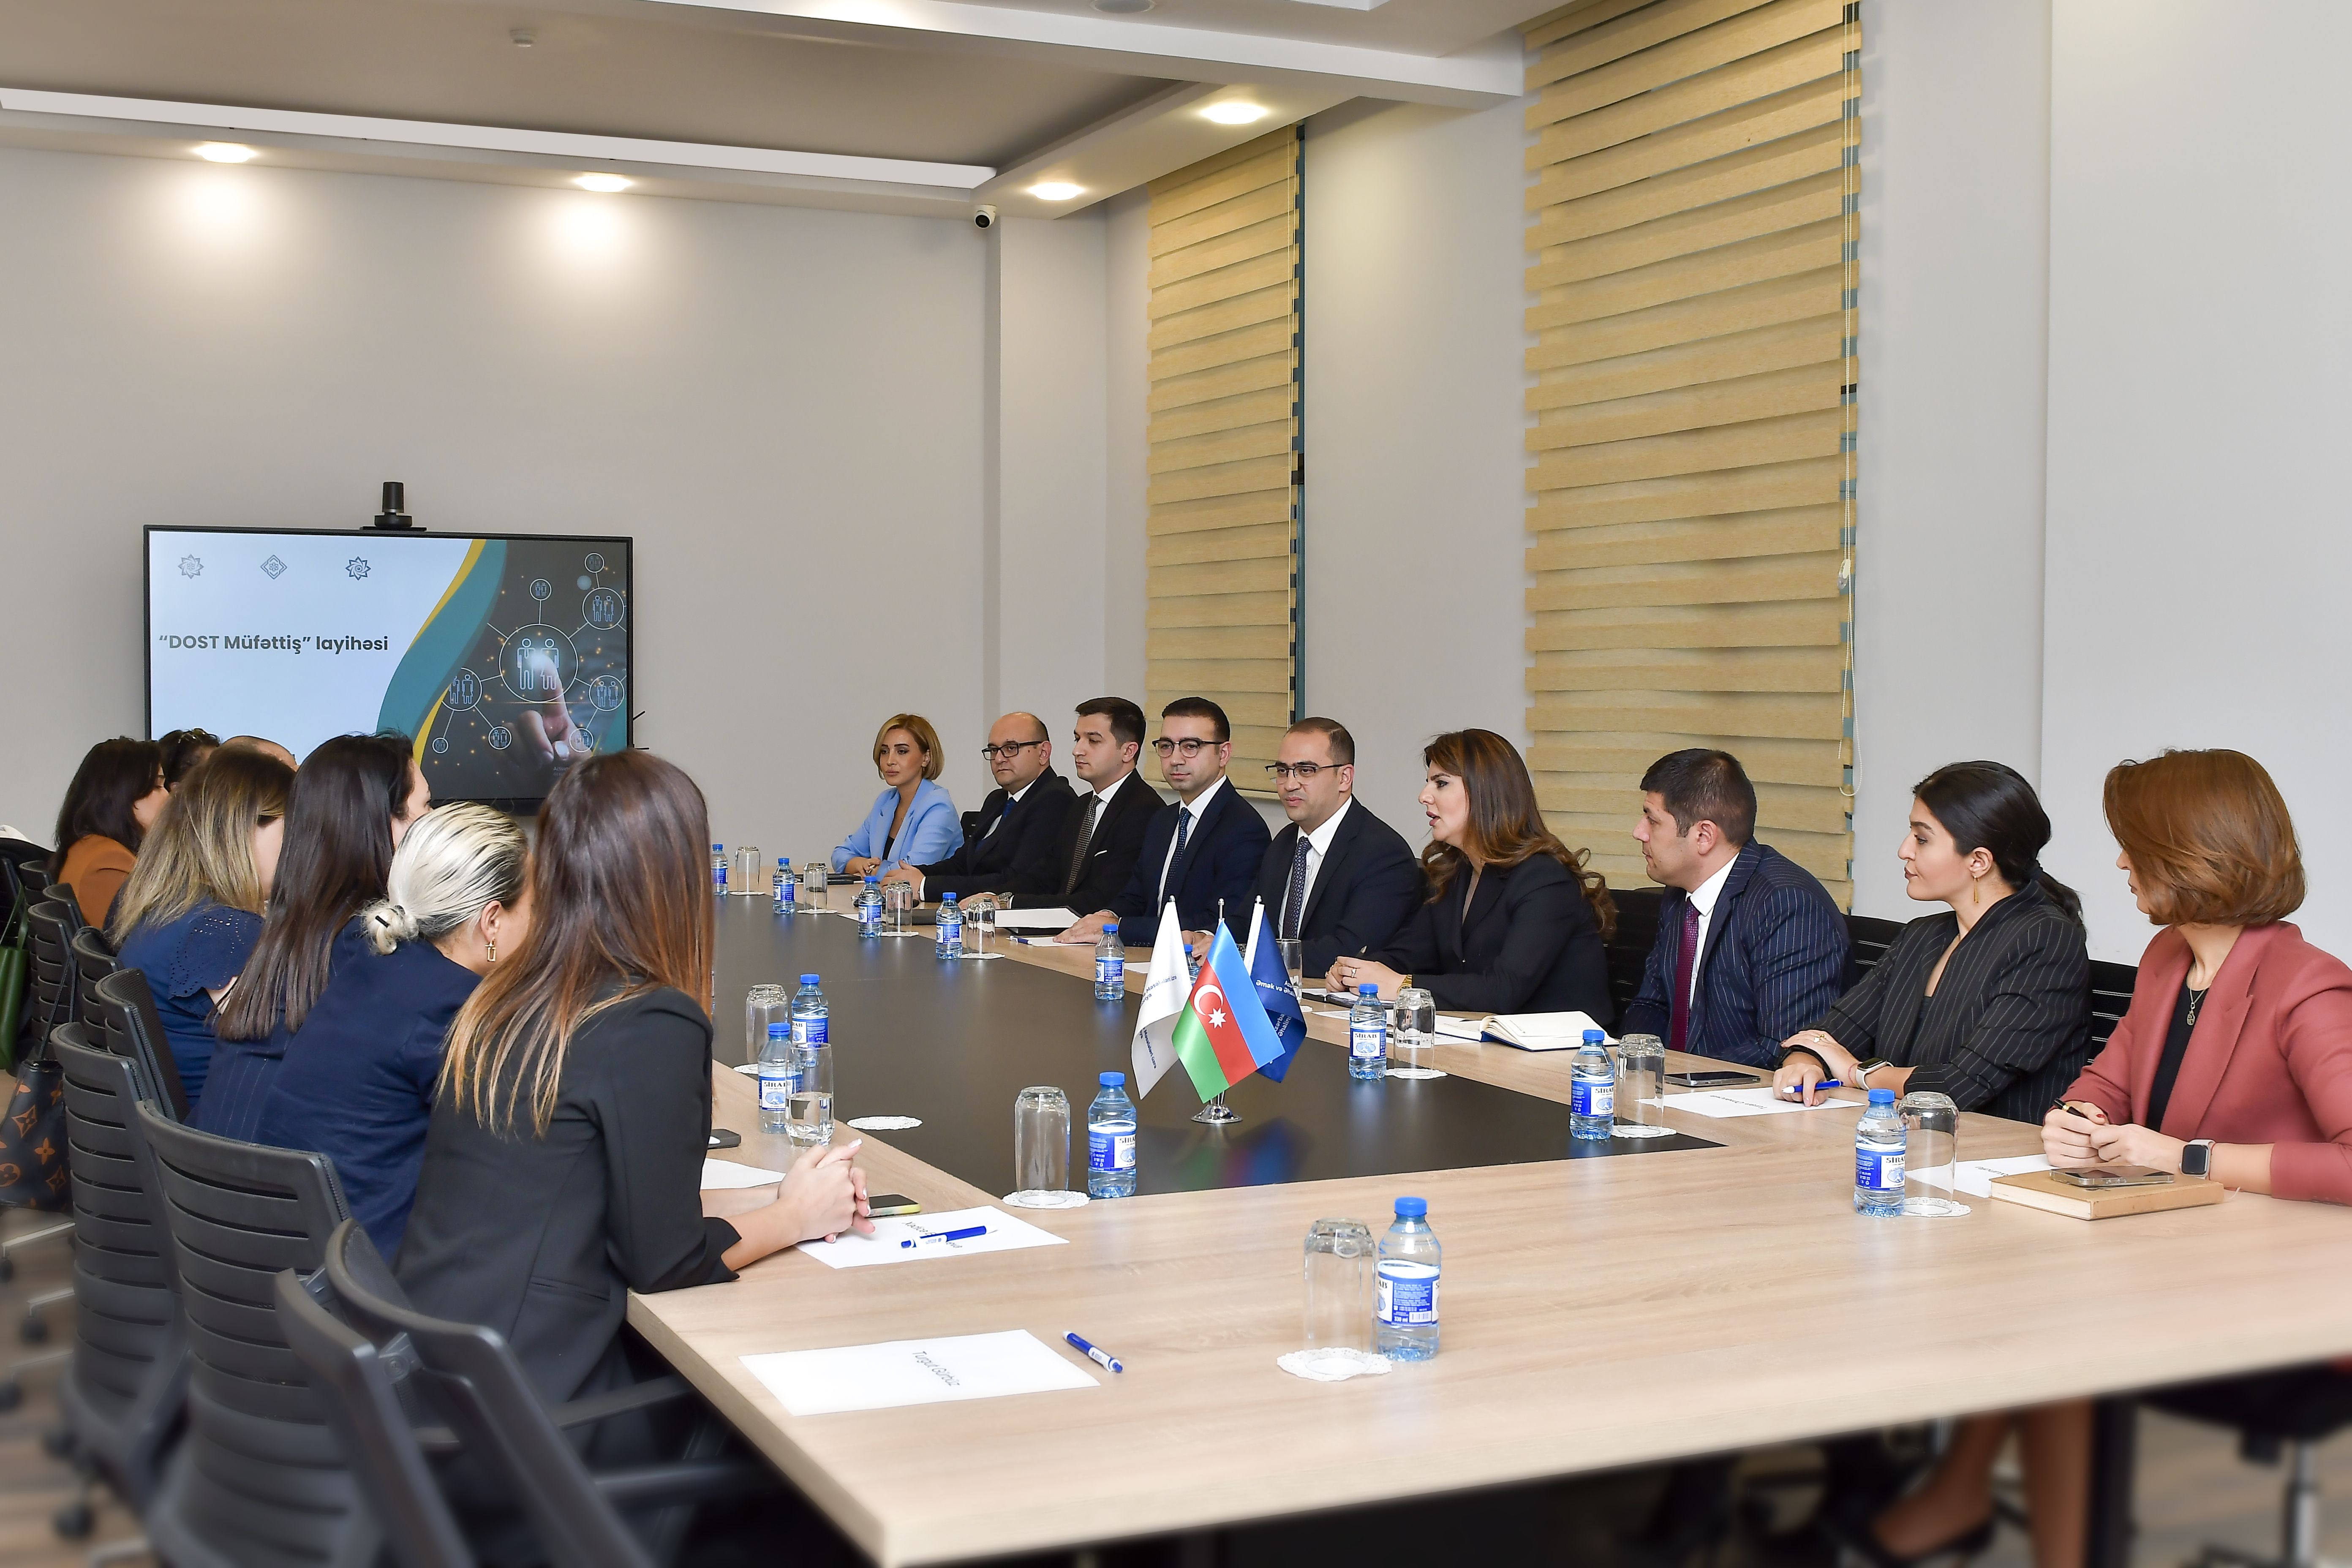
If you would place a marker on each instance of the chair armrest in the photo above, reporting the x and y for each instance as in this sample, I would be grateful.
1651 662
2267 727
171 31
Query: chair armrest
687 1481
604 1407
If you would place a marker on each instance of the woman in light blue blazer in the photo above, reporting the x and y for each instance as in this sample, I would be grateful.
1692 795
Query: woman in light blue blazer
913 822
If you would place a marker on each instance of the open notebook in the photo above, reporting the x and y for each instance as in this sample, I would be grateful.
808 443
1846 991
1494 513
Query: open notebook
1528 1031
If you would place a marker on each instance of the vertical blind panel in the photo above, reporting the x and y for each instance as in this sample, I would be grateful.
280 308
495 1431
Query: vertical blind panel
1693 287
1220 569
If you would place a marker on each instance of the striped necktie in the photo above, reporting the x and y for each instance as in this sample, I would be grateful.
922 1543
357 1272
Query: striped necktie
1085 838
1294 908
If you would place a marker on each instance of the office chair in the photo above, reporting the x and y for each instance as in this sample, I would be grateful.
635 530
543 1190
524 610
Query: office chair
93 960
126 1009
2278 1417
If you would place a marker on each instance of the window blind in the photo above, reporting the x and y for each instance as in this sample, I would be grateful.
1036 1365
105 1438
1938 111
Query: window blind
1222 563
1696 238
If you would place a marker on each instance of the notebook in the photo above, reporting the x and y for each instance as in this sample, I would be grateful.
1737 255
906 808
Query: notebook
1527 1031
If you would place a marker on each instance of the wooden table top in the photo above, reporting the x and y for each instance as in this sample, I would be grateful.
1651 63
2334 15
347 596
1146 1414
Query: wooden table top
1597 1313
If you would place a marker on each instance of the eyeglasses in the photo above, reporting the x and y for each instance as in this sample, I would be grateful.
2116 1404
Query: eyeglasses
1009 749
1187 747
1303 772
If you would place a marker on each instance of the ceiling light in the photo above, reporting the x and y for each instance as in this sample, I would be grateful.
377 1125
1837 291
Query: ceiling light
1235 113
607 183
1123 7
225 153
1056 190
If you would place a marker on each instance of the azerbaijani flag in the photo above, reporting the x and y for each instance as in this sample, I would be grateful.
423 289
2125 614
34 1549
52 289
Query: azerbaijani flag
1223 1035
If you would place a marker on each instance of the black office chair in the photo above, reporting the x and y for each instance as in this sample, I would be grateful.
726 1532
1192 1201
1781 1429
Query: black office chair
1628 951
2111 993
50 927
93 961
470 1378
132 1029
2278 1416
258 1480
123 1394
1868 939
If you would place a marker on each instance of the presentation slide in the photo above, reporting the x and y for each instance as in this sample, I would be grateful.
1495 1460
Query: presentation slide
505 658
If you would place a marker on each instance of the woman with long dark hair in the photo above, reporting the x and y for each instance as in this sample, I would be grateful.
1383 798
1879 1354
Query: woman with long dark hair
1989 1003
352 799
1514 921
563 1168
115 797
189 916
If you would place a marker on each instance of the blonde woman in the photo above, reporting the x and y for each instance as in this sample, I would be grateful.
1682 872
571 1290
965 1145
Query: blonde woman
356 1081
191 911
913 822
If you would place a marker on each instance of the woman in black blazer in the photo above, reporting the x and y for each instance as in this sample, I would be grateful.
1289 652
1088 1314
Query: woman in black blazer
1990 1003
563 1168
1514 922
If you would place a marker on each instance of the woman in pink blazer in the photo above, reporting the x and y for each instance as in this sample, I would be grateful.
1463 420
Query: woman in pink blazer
2234 1060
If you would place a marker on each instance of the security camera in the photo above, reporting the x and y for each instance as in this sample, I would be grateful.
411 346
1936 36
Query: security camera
984 216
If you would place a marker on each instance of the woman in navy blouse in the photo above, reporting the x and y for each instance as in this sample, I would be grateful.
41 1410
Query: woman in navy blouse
191 912
357 1082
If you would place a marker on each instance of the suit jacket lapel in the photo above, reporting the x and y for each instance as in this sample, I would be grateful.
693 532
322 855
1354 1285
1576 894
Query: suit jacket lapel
2215 1039
1209 815
1343 843
1484 903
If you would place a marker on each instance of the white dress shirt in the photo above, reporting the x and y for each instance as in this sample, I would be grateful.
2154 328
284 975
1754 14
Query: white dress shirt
1702 899
1318 845
1193 810
1009 802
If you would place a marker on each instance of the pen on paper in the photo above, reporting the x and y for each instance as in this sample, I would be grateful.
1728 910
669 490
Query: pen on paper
1794 1093
966 1233
1095 1353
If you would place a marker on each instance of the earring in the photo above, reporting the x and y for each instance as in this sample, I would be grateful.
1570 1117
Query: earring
492 944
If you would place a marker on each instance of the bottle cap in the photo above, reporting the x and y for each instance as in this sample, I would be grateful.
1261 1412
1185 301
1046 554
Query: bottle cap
1113 1081
1595 1037
1411 1208
808 979
718 846
1368 991
950 899
1882 1096
780 1031
871 880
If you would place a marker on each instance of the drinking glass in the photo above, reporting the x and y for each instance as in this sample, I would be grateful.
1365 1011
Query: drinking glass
898 909
1641 1087
750 873
1412 1036
812 873
811 1122
1931 1155
979 930
1294 960
763 1005
1041 1150
1339 1273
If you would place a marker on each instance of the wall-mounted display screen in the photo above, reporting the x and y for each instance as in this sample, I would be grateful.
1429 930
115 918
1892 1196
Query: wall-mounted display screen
506 657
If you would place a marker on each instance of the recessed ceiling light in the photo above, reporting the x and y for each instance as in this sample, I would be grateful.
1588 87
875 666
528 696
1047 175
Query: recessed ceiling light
1124 7
607 183
1232 112
1056 190
225 153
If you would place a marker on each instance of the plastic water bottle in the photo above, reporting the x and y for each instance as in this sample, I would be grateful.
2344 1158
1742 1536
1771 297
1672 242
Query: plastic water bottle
1110 1140
778 1079
811 1016
1110 970
1878 1140
869 908
1367 1036
811 1125
1404 1323
718 869
1592 1089
782 887
951 929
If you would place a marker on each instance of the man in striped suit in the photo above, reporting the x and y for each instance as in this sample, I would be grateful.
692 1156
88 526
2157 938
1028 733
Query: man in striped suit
1750 947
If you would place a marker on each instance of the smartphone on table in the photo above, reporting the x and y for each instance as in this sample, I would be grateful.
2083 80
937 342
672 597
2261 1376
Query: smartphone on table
1710 1079
891 1203
2103 1177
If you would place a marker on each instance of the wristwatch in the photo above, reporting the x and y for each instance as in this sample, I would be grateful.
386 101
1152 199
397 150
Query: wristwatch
1862 1070
2196 1157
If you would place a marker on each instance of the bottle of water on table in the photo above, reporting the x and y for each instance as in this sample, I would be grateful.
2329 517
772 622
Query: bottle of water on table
811 1125
1592 1089
1368 1036
811 1016
782 887
1110 966
1110 1140
718 869
869 908
1878 1142
1404 1323
777 1078
951 929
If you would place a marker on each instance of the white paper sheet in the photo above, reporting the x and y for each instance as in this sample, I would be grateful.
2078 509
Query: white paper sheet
1006 1234
1051 922
1974 1178
1723 1103
916 1372
724 1174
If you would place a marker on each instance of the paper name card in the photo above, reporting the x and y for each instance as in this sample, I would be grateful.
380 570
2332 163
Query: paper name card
916 1372
724 1175
1051 921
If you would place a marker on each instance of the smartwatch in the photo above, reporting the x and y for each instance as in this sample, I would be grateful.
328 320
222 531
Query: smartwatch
1862 1070
2196 1157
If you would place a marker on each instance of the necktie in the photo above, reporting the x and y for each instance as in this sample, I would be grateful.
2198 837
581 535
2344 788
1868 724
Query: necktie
1294 907
1684 960
1183 831
991 830
1086 837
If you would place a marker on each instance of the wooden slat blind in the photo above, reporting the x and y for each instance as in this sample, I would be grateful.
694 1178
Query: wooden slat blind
1696 238
1222 566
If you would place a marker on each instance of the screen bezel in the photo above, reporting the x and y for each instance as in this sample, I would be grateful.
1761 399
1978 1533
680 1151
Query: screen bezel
504 803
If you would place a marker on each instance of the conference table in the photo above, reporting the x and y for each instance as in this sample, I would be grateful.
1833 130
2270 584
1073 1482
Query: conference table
1605 1304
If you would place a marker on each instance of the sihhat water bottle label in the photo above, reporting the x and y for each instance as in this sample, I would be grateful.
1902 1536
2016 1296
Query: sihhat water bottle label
1110 971
1592 1097
809 1031
1368 1042
1408 1293
776 1091
1878 1172
1110 1151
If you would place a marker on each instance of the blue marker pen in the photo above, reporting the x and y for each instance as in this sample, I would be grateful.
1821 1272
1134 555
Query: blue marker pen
1825 1083
1095 1353
966 1233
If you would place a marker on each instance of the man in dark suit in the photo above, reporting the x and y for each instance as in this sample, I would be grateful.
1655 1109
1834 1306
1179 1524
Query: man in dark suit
1751 948
1338 878
1201 852
1104 832
1008 845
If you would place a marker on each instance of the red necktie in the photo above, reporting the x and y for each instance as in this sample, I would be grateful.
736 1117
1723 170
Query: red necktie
1685 961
